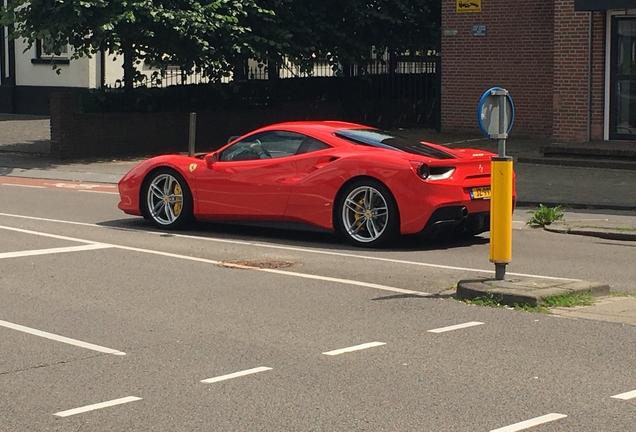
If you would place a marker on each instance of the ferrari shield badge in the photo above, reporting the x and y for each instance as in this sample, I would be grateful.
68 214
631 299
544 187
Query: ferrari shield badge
193 167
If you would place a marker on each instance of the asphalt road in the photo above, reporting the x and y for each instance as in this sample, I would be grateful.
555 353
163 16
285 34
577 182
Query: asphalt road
166 333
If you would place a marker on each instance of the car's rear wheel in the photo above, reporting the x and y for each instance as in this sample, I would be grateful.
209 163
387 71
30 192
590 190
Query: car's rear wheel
167 199
367 214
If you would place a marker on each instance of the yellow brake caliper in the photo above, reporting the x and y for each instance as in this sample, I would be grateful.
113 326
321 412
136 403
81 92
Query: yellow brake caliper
357 216
178 203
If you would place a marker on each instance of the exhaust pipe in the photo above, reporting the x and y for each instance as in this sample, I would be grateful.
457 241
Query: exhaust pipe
462 213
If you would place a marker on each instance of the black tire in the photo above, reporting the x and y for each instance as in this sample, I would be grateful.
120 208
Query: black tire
365 224
166 199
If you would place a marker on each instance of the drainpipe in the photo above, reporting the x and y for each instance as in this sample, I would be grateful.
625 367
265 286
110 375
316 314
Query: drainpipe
102 69
590 34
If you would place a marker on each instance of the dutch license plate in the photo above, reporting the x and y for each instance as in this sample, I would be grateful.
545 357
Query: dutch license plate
479 193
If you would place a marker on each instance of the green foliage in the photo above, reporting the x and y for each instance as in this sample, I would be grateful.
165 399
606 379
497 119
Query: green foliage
344 31
213 37
488 299
545 215
568 300
198 36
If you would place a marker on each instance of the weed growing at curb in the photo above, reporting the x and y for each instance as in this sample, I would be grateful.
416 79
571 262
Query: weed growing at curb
621 294
488 299
567 300
545 215
559 300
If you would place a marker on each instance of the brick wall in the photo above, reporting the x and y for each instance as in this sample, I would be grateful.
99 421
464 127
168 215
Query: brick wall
80 135
536 50
598 75
515 54
571 71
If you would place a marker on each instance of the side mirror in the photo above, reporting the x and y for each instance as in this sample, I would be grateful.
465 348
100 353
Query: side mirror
211 159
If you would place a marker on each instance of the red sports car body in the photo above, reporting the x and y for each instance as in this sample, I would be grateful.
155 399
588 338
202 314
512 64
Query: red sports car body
362 182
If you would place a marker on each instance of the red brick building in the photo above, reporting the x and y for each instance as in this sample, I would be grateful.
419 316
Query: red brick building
569 65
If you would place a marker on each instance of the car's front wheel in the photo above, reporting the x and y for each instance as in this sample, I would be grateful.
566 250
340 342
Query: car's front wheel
167 199
367 214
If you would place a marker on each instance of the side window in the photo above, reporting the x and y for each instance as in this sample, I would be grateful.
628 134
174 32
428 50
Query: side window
272 144
310 144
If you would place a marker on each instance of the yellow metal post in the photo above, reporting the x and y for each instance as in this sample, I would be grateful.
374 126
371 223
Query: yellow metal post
497 127
501 212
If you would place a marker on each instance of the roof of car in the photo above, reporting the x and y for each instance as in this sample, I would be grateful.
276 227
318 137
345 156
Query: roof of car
321 124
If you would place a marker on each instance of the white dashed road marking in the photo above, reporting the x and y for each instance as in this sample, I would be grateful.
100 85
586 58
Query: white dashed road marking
626 396
530 423
236 374
96 406
354 348
455 327
59 338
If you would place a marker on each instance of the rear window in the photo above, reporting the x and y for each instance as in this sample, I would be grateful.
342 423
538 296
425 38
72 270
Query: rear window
386 140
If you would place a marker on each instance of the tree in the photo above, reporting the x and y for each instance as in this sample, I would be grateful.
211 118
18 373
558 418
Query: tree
213 36
195 35
343 31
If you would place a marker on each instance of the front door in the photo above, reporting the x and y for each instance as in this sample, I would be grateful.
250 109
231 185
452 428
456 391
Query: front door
623 79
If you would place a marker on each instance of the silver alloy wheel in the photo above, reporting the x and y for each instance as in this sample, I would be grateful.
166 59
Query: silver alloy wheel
365 214
165 199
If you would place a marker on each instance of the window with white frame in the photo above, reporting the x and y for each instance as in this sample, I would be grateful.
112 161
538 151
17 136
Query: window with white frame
45 53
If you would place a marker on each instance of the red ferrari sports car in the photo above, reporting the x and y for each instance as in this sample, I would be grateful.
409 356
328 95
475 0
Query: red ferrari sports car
367 184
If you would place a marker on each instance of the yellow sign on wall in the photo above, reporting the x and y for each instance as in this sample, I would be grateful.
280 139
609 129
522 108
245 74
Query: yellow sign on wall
467 6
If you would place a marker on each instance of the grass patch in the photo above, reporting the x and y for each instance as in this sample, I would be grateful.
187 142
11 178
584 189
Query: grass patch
494 300
489 299
620 294
559 300
567 300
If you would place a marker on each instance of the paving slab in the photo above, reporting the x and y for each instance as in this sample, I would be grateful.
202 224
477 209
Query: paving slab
610 309
526 291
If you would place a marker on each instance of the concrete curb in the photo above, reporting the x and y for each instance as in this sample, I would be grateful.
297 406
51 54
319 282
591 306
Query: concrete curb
67 176
526 291
609 233
575 206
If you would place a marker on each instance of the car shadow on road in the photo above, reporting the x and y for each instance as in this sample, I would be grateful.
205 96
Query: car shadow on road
296 235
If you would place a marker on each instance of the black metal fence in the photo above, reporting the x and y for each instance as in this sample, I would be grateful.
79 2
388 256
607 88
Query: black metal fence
404 93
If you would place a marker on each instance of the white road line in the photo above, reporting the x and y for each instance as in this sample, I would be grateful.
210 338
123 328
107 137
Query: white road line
101 192
455 327
209 261
281 272
53 250
20 185
41 234
346 282
626 396
236 374
96 406
62 339
291 248
354 348
530 423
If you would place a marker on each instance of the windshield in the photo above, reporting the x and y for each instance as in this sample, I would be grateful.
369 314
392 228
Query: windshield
386 140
